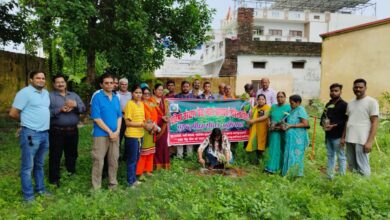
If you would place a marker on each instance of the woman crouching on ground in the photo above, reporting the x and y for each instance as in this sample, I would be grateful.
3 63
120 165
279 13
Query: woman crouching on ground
217 148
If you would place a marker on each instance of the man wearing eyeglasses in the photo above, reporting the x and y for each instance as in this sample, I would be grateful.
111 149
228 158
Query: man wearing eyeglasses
107 117
31 107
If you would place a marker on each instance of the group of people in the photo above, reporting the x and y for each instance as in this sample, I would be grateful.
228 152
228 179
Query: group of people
141 117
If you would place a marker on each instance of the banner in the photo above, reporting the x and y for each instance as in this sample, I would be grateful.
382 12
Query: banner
192 121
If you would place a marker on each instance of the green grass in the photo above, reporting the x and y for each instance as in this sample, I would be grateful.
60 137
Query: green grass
182 194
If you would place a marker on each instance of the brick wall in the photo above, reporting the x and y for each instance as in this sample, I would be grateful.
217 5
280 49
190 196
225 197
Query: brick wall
14 69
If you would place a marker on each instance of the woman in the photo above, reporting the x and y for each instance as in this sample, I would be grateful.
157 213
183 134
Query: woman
276 140
217 150
296 138
135 125
258 127
161 158
145 163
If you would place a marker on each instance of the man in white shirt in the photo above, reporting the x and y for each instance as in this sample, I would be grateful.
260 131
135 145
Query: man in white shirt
269 93
361 128
124 96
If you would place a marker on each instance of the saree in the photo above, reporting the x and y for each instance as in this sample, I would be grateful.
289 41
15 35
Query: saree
276 139
148 146
296 141
161 158
258 131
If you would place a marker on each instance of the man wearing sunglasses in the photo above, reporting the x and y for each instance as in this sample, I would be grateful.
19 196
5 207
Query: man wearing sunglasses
31 108
107 117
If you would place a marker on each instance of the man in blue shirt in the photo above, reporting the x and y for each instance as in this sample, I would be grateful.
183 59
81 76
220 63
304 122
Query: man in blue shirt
185 94
31 107
65 108
207 92
107 117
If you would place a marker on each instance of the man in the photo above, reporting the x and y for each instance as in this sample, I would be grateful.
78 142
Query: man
114 90
31 107
185 94
124 96
116 85
185 91
221 91
228 93
65 108
207 92
107 117
361 128
249 90
333 122
171 88
269 93
196 88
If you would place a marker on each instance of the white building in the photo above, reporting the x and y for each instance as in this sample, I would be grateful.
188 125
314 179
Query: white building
277 39
296 72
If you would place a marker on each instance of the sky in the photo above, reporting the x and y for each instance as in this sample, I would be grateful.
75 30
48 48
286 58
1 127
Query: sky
222 7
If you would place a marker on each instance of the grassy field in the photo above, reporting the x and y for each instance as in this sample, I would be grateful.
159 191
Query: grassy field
181 193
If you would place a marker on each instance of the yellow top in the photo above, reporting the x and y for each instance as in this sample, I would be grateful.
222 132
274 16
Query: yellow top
258 131
136 113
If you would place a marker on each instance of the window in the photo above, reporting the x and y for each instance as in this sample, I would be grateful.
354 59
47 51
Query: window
256 39
278 39
295 33
259 65
298 40
296 15
258 30
275 32
275 14
317 17
298 64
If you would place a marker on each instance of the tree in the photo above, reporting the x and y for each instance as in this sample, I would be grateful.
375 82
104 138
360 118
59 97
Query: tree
134 35
12 23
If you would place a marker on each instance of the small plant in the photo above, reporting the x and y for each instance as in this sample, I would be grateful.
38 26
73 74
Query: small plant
326 120
280 125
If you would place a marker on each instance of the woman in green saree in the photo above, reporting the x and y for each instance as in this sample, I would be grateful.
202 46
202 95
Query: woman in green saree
276 141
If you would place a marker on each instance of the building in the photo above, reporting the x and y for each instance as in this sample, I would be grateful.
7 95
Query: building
360 51
277 39
282 42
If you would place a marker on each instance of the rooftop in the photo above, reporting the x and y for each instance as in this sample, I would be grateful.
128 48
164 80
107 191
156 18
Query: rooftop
312 5
357 27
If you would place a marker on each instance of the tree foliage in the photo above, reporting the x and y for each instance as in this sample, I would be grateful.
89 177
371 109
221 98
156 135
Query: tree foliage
12 23
134 35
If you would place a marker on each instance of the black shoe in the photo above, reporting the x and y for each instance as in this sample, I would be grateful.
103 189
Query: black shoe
56 183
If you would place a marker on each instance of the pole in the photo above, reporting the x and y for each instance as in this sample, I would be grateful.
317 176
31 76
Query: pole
313 143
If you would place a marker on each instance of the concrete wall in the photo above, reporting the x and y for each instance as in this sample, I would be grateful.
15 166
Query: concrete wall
305 82
14 69
340 21
358 54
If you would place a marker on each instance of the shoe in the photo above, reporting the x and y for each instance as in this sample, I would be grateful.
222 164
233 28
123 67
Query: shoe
56 183
149 174
137 183
141 178
45 193
112 186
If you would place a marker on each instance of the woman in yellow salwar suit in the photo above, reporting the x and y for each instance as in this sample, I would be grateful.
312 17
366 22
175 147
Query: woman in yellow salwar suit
258 127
